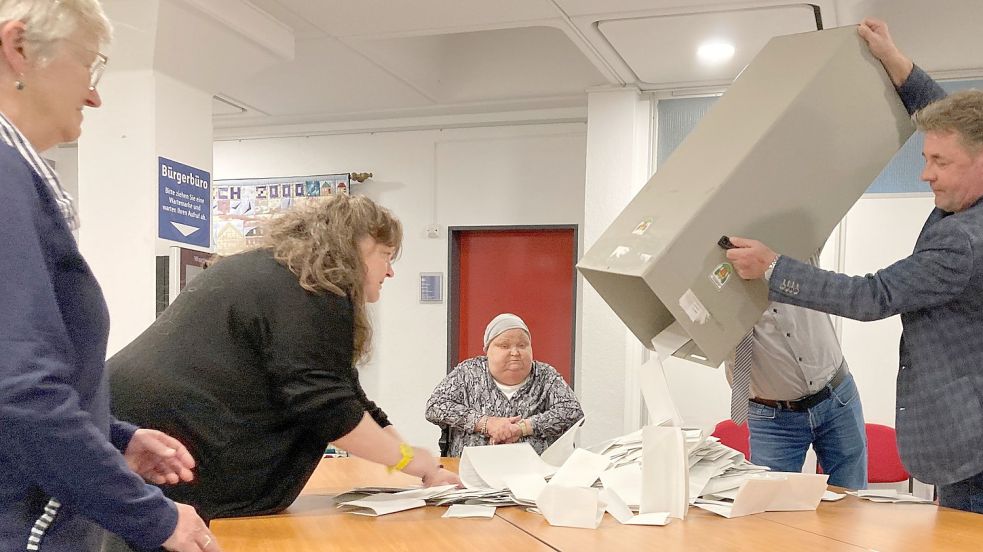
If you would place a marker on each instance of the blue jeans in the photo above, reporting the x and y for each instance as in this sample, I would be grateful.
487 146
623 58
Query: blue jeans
963 495
834 427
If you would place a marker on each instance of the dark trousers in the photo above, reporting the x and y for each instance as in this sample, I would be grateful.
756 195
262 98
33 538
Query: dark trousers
963 495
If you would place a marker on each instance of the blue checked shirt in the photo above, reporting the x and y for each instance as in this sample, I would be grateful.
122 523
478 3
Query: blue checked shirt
15 139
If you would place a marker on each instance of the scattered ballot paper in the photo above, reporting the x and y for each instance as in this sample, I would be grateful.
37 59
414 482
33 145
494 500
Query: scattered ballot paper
889 495
655 392
380 505
665 473
469 511
620 511
561 449
571 506
626 482
488 466
525 487
771 492
425 492
580 470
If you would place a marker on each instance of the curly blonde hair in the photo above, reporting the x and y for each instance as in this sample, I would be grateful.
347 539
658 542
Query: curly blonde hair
319 242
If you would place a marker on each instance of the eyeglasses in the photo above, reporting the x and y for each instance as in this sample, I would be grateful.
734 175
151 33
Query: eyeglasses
96 70
98 66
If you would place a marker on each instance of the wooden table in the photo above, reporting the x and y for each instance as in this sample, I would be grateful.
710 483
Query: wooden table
889 527
312 523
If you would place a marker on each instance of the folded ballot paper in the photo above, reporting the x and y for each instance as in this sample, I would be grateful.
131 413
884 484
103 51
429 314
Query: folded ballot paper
571 506
769 492
488 466
561 449
889 495
665 473
381 503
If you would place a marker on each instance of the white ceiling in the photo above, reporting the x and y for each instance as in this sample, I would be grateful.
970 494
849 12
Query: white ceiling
363 60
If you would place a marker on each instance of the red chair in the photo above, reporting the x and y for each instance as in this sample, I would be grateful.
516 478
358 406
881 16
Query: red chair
883 461
734 436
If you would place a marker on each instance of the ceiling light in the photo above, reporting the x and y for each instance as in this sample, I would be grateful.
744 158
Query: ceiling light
715 52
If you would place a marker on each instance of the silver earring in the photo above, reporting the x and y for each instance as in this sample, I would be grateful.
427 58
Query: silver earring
19 85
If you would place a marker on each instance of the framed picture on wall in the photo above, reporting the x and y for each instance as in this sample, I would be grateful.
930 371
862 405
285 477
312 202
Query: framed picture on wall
241 206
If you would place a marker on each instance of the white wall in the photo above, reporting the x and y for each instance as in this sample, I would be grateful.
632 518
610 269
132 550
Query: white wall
152 114
478 176
880 229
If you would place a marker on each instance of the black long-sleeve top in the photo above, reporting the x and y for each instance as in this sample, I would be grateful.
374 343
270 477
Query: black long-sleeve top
253 374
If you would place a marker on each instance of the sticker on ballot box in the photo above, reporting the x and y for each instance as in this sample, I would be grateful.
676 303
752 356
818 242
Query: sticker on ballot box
642 227
694 307
721 274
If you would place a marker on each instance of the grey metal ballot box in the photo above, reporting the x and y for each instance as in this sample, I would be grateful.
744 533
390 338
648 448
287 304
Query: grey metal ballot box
781 157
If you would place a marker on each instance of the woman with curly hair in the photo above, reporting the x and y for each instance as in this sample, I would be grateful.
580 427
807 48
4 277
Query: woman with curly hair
253 366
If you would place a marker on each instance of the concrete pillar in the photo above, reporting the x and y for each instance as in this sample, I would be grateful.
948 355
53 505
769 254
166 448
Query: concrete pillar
168 59
619 161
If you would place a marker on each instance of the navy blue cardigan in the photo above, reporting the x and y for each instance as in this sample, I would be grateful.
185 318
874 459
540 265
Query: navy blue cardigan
57 438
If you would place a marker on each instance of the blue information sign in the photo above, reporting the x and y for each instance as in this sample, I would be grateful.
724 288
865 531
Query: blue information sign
184 203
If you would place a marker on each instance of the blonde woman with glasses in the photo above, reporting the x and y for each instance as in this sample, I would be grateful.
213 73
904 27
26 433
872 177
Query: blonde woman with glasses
68 469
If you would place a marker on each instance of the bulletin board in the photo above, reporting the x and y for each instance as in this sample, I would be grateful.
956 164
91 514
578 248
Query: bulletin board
240 207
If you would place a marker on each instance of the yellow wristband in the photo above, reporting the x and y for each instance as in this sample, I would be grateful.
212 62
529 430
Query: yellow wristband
407 452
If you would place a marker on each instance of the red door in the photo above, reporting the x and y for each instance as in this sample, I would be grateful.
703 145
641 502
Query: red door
528 271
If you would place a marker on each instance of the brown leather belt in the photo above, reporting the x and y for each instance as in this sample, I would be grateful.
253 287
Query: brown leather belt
805 403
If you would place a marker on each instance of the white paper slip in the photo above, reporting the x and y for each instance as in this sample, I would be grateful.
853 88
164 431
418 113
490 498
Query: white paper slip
602 447
889 496
571 506
879 493
525 487
626 481
718 508
830 496
580 470
381 504
487 466
799 491
775 492
615 506
469 511
561 449
665 473
426 492
655 392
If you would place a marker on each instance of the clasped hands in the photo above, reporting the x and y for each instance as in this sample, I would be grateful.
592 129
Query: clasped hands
503 430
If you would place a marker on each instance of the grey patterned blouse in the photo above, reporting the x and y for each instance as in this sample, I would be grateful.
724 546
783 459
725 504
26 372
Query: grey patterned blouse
469 392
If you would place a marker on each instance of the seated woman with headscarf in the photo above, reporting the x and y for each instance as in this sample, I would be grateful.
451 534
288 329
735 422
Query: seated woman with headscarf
504 396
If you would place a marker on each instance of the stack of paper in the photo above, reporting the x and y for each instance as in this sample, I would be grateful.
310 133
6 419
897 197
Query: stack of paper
369 502
889 495
712 466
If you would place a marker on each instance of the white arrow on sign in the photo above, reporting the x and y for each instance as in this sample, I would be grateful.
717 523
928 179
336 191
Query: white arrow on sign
185 229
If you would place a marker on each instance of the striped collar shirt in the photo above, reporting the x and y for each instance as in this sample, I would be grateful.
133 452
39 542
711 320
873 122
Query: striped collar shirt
15 139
